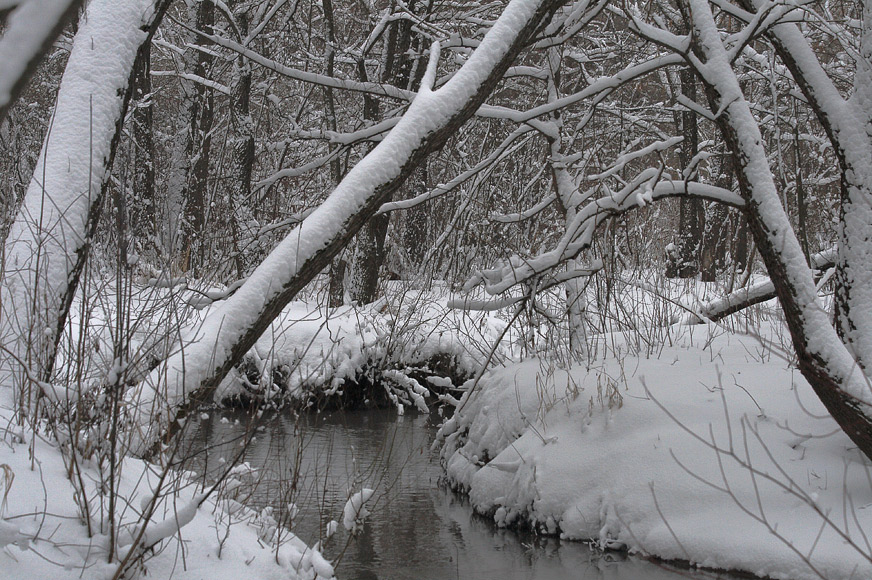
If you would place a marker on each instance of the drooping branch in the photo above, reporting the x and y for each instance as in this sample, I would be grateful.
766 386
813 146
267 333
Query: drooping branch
580 231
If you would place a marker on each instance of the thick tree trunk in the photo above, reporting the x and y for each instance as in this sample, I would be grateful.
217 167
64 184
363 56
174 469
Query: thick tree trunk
847 126
49 242
829 367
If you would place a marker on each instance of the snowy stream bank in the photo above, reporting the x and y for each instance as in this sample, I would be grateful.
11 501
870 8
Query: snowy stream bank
418 529
716 452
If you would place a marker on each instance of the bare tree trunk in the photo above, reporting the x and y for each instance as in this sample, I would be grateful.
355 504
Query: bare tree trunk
370 247
713 254
338 267
198 148
242 164
416 224
684 260
142 206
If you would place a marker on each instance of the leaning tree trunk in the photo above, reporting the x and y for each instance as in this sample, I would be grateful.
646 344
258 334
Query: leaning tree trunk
824 361
190 375
49 242
846 123
22 45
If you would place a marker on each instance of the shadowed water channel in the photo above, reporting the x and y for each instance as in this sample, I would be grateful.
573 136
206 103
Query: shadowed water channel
418 530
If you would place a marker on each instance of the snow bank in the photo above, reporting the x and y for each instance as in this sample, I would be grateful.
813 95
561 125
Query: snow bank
721 456
310 350
43 535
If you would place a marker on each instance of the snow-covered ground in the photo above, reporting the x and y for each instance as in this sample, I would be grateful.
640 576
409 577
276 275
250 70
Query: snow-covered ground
693 442
43 533
715 451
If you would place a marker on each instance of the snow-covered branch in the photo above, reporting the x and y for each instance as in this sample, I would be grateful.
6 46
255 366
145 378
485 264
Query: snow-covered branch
579 236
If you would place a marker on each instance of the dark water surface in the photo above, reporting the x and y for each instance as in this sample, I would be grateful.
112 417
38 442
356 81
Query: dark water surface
417 529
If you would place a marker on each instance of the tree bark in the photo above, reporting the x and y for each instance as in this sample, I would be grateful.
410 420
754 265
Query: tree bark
713 253
370 247
684 261
142 207
198 148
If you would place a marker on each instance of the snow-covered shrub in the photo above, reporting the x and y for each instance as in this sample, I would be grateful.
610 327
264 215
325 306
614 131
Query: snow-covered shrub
383 352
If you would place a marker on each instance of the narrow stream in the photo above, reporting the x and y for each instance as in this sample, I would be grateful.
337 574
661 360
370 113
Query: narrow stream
417 530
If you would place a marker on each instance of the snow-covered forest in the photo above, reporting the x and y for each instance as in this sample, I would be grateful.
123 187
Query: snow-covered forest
623 249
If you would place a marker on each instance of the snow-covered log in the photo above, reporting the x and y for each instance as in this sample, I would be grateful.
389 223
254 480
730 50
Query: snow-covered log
48 243
204 357
762 291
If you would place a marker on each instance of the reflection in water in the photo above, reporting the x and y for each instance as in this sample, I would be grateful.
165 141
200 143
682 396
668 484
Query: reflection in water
417 530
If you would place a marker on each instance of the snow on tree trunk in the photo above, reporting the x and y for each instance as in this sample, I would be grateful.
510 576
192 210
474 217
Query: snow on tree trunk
823 360
569 198
853 299
208 352
48 244
29 32
848 125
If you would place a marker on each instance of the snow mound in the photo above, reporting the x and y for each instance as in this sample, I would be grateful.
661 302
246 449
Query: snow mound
355 509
